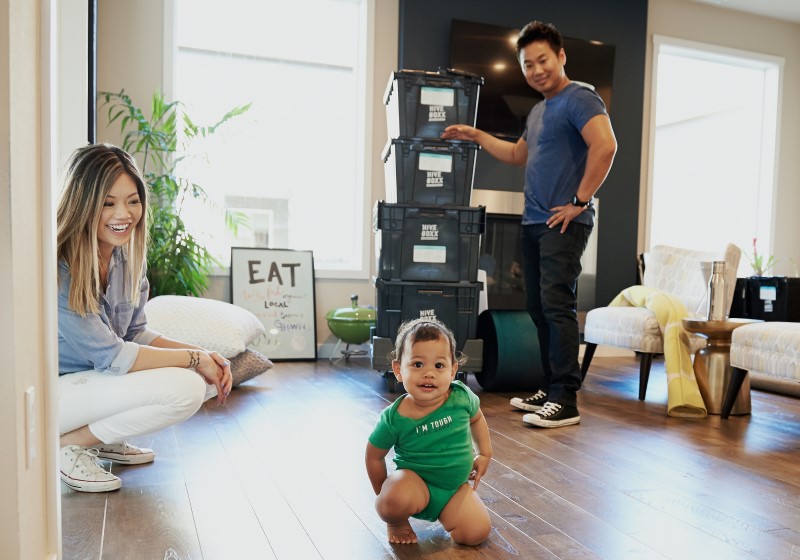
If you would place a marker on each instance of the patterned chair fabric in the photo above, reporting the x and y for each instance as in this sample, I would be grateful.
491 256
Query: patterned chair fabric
771 348
670 269
634 328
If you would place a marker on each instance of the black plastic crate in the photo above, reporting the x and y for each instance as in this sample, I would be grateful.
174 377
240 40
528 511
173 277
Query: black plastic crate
769 298
428 243
501 258
453 303
422 104
429 171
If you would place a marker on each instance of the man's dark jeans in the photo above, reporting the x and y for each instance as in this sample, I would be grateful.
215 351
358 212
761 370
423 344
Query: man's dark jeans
552 263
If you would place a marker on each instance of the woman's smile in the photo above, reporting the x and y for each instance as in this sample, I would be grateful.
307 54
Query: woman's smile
119 228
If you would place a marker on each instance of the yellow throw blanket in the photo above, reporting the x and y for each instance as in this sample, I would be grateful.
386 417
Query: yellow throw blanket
683 395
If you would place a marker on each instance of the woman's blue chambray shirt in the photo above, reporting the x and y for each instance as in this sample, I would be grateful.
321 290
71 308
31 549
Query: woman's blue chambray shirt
107 341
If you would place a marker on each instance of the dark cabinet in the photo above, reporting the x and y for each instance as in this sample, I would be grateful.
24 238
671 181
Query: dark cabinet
769 298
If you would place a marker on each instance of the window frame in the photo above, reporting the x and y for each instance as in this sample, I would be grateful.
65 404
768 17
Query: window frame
366 77
757 60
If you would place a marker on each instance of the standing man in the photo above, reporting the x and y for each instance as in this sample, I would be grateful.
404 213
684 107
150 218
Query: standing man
568 147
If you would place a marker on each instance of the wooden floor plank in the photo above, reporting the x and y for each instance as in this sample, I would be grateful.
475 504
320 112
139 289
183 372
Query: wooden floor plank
82 524
165 524
281 527
306 485
525 534
226 524
718 524
550 502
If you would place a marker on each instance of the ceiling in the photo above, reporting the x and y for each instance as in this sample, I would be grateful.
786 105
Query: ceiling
781 9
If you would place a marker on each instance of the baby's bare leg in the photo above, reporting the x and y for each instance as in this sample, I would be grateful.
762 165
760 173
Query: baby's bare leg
466 518
403 494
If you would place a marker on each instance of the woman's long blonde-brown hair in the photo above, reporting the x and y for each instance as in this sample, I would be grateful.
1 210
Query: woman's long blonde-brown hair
91 172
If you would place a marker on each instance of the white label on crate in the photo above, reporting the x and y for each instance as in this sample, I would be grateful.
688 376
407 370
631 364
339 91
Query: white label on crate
437 96
430 232
434 179
436 162
768 293
430 254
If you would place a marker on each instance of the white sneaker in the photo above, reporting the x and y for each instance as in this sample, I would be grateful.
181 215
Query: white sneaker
81 471
125 453
531 404
553 415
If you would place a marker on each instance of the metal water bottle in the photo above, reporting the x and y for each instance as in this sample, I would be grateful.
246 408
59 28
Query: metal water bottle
716 292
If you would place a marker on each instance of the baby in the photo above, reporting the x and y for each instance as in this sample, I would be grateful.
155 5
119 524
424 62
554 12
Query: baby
432 429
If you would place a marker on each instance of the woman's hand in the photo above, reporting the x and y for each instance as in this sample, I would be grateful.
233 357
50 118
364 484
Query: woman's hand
216 370
227 376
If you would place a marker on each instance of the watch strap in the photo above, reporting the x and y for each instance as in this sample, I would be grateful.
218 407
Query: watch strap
578 202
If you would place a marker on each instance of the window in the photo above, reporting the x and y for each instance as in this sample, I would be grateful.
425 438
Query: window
294 163
714 147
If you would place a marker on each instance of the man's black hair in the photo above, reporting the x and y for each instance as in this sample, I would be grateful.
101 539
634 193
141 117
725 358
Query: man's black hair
538 31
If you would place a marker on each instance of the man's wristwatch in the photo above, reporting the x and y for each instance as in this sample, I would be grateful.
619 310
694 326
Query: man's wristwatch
578 202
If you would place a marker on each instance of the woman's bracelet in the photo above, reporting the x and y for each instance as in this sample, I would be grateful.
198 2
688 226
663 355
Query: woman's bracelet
194 358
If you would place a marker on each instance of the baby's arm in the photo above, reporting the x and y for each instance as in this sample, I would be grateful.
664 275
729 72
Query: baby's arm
376 466
483 445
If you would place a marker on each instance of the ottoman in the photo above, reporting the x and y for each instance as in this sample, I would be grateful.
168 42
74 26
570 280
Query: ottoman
771 348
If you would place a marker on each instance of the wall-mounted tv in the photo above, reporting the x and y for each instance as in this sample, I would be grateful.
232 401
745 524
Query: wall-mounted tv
505 98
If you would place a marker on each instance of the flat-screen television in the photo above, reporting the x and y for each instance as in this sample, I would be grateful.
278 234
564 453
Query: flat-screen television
505 98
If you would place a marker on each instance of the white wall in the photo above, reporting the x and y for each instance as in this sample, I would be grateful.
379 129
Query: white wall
728 28
130 45
29 525
73 75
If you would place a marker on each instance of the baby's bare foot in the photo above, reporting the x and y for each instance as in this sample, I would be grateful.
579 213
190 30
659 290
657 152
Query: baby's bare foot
401 533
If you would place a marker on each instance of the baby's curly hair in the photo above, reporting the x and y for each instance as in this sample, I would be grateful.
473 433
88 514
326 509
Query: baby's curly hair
423 330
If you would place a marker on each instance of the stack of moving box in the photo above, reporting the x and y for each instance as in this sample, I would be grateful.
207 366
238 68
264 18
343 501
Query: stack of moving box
427 235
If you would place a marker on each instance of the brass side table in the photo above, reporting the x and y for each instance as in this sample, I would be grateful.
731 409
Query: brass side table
712 364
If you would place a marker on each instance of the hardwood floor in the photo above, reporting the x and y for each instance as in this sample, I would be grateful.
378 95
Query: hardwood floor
278 474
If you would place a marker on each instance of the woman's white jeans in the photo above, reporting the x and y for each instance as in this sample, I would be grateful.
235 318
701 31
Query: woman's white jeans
118 407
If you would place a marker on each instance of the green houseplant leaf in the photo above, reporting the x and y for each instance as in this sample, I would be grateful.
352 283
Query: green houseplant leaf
176 262
760 263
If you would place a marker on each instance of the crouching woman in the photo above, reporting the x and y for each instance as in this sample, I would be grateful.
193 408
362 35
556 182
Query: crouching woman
117 378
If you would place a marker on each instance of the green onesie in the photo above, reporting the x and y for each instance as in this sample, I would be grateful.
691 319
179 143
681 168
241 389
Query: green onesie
438 447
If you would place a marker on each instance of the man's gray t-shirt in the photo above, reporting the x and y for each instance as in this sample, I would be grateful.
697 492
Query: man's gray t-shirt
557 152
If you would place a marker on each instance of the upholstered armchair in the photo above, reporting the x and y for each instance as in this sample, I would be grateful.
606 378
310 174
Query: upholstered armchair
669 269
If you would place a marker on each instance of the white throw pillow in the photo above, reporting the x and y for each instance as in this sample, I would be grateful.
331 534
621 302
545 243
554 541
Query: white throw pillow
208 323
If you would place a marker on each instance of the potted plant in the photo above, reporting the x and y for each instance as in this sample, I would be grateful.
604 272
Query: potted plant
176 262
759 262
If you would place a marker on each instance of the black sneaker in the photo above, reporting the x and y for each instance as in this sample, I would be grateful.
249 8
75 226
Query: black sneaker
531 404
553 415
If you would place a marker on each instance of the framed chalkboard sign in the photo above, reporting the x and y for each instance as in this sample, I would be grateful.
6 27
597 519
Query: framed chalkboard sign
277 286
